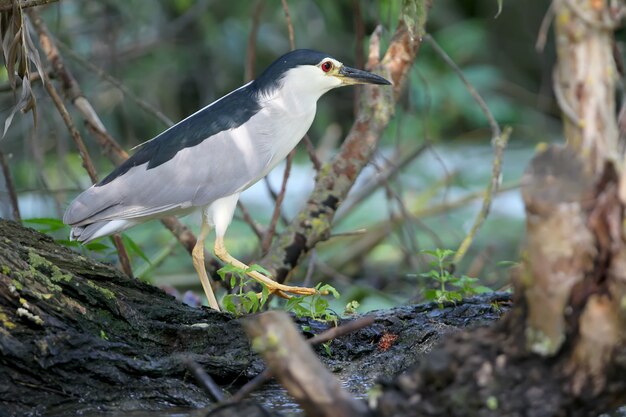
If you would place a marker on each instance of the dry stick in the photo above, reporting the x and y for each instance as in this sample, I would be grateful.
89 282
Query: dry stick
292 39
251 49
393 168
323 337
8 4
271 230
8 88
69 123
299 370
499 140
204 379
269 234
359 58
141 103
317 164
87 163
8 180
380 231
250 221
496 175
71 87
542 37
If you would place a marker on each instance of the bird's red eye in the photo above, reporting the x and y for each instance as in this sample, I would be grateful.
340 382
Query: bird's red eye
327 66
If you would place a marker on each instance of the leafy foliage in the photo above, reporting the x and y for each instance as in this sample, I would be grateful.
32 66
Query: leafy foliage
464 286
242 302
314 306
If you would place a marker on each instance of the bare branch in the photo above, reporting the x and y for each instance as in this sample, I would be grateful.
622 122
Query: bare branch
250 221
492 188
323 337
269 233
8 180
251 49
310 149
141 103
542 37
23 4
495 128
292 40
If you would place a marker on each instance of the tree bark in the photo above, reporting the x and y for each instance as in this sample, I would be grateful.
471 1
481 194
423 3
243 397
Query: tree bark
72 329
77 335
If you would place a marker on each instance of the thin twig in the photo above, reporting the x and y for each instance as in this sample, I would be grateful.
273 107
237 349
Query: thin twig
250 221
251 49
292 39
323 337
393 168
71 88
306 282
7 87
359 34
8 181
542 36
22 4
141 103
271 230
205 380
69 123
122 255
492 188
499 140
495 128
310 149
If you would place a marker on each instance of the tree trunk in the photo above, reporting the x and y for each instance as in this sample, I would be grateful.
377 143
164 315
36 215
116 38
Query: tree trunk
561 351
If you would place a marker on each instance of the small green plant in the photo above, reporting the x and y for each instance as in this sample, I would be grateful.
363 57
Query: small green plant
351 308
464 286
243 302
314 306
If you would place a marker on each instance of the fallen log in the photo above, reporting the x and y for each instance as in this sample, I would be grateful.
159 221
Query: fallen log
77 335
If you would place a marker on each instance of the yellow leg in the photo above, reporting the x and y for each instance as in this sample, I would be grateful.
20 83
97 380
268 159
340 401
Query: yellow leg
272 286
197 255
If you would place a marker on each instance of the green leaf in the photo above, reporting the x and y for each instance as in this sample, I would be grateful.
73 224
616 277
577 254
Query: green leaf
325 287
68 243
97 246
133 247
259 269
229 269
51 224
481 289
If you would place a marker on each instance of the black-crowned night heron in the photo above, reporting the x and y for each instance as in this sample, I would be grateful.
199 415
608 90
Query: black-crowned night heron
205 161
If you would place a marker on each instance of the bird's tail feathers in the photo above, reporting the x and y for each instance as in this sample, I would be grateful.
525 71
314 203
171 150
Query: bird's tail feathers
88 232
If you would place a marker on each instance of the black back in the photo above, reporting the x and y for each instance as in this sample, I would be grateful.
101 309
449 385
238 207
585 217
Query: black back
227 113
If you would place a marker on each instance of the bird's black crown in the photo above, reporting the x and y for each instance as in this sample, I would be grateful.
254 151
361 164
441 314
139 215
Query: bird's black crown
271 77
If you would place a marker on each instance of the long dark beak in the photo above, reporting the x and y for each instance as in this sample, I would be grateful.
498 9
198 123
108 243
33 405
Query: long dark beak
356 76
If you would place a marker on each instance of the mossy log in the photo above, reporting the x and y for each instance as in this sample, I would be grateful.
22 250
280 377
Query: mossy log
72 329
77 335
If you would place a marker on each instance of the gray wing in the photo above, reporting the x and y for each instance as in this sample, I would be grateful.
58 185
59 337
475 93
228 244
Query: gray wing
221 165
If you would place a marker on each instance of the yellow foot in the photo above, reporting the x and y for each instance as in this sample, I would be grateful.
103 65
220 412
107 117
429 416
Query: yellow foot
281 290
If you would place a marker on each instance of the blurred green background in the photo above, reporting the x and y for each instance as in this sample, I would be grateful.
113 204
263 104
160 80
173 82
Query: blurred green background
180 55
